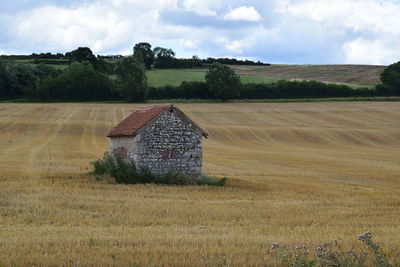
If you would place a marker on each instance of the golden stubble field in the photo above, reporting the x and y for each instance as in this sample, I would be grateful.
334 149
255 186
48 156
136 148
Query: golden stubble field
299 173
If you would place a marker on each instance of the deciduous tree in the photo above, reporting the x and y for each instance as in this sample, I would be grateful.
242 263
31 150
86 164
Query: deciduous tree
82 54
131 73
223 82
390 77
3 80
80 81
144 50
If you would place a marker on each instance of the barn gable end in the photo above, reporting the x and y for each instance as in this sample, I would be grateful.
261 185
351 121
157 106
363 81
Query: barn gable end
161 139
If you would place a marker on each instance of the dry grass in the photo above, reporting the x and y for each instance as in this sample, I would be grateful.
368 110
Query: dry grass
300 173
354 75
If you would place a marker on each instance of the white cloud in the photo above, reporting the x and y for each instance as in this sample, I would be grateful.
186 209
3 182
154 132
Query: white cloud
247 13
370 25
191 44
202 7
362 51
234 46
90 25
103 25
358 15
109 26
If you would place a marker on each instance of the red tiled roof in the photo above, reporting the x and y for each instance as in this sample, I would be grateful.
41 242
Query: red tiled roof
135 121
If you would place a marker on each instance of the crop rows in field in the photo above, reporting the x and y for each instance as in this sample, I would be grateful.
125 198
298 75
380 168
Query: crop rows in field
299 173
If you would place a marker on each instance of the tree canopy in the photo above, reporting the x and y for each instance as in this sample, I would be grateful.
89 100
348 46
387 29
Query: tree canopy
390 77
223 81
144 50
3 80
131 73
164 57
82 54
80 81
161 52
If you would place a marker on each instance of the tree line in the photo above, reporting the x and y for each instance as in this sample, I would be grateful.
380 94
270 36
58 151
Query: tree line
159 57
88 78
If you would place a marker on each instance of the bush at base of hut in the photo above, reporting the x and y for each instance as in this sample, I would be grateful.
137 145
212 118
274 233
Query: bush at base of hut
121 172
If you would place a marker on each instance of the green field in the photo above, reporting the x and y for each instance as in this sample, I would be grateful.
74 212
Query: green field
158 78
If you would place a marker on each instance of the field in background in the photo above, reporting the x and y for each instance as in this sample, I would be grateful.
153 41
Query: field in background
299 173
355 76
158 78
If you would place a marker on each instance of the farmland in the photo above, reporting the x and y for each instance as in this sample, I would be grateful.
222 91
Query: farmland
355 76
158 78
299 173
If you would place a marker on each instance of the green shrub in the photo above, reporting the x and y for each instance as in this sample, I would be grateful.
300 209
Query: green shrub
205 180
123 172
223 82
390 77
80 81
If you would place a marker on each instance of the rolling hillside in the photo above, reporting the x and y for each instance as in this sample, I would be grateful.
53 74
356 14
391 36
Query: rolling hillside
353 75
363 75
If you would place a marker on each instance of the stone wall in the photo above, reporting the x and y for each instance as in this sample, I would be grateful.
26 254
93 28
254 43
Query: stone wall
124 147
168 143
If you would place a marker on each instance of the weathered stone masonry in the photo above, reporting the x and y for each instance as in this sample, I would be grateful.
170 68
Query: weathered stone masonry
169 142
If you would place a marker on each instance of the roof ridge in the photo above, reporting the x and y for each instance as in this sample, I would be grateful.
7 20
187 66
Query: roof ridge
137 120
140 118
145 108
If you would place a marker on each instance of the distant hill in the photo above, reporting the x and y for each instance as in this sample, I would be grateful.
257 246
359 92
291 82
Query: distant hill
353 75
362 75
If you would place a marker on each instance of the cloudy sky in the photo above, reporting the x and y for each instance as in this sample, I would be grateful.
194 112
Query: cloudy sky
276 31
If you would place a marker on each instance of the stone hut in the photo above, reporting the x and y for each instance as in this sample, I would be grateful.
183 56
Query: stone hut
160 138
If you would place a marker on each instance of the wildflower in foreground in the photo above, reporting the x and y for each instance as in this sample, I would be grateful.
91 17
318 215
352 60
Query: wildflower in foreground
365 236
275 246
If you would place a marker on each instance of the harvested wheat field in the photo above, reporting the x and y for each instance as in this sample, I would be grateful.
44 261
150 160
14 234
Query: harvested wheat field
299 173
362 75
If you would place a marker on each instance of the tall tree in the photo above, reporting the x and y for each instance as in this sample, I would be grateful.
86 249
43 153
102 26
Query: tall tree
164 57
223 82
161 52
82 54
390 77
144 50
22 79
131 73
3 80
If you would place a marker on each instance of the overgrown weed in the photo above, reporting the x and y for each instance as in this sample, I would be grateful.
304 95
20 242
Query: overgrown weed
113 169
331 254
